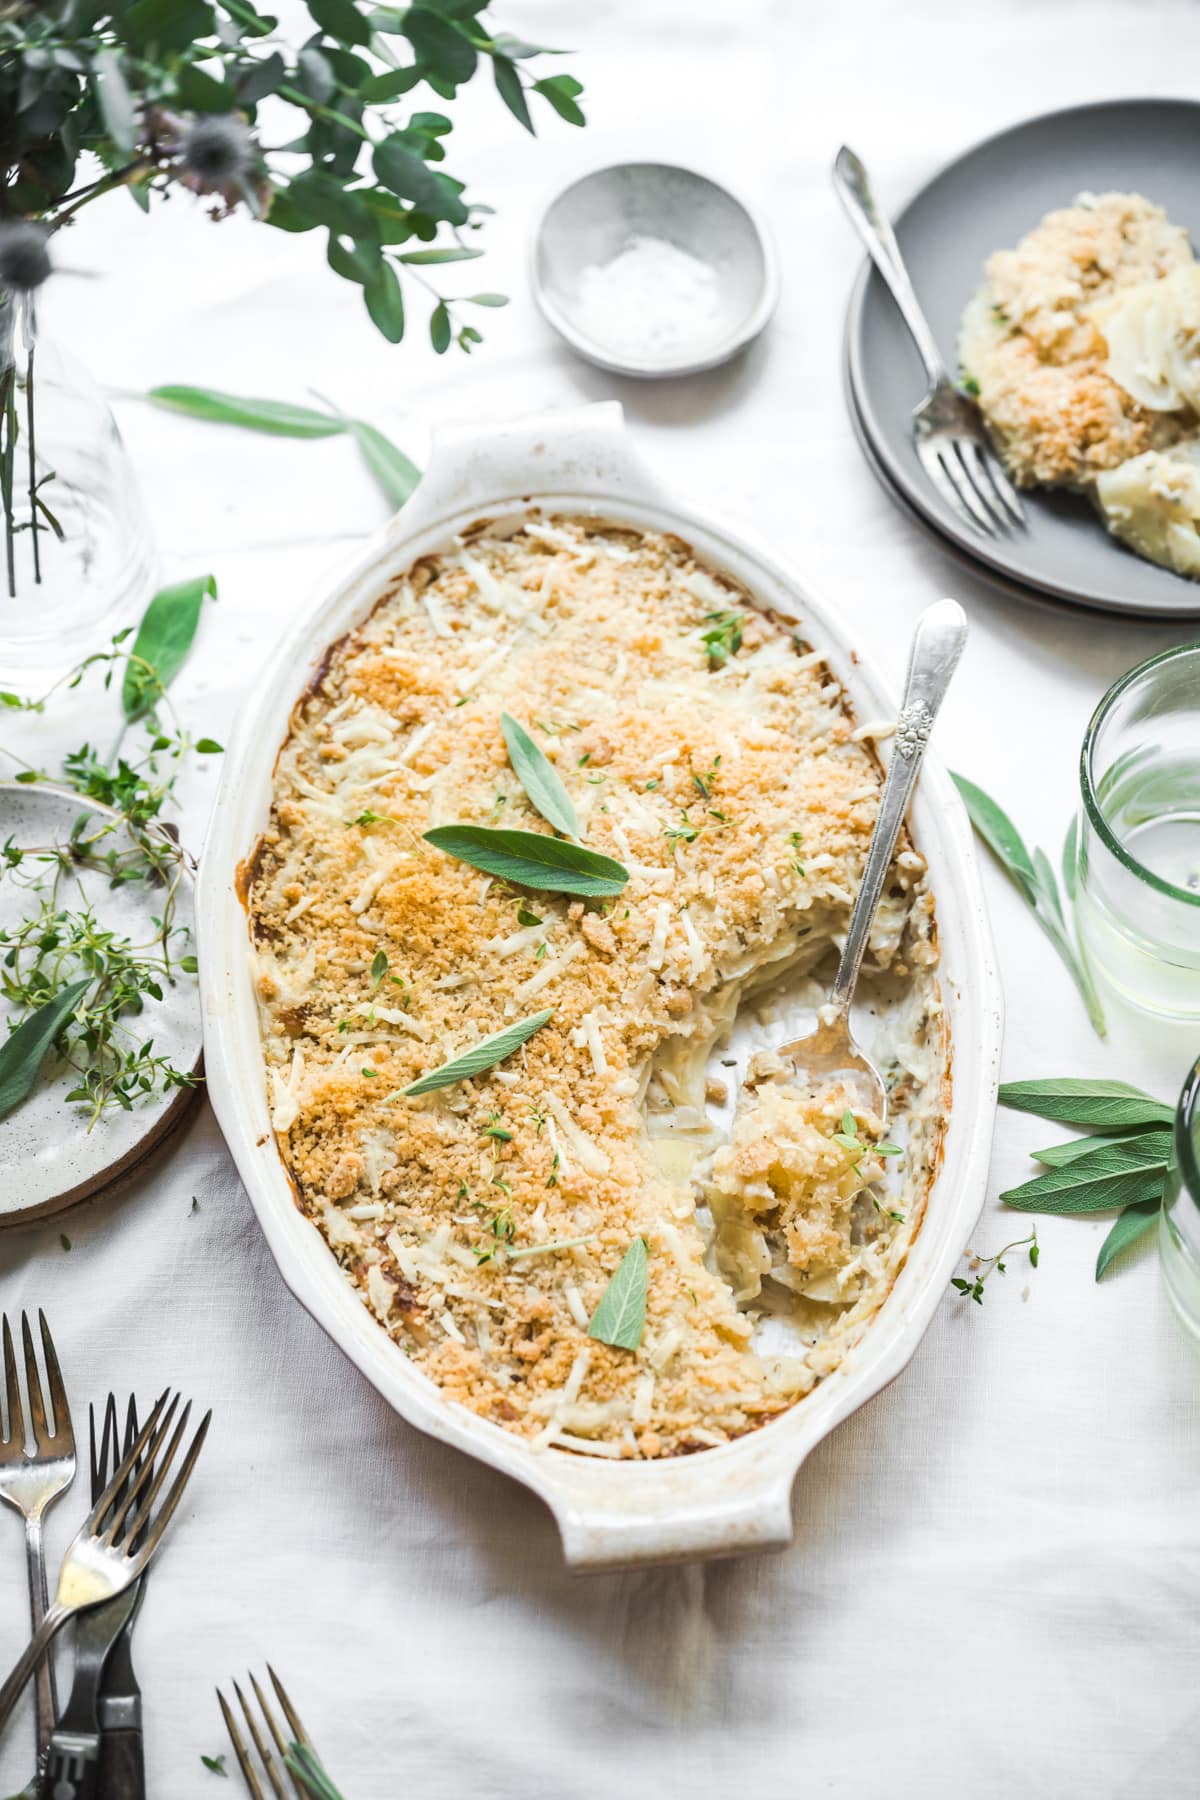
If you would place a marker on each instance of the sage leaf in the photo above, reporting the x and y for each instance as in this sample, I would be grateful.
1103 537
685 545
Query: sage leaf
1070 858
620 1318
539 778
1104 1105
1105 1178
395 473
532 859
278 418
1036 882
1133 1223
22 1056
485 1055
302 1760
1153 1145
163 640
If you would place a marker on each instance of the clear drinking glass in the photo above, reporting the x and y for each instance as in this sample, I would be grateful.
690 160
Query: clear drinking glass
1179 1223
1138 856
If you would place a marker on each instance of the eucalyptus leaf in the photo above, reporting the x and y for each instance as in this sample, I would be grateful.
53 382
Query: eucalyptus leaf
439 328
539 778
532 859
485 1055
562 92
447 51
450 253
163 640
385 303
1103 1105
276 417
396 474
341 19
1110 1176
620 1318
511 90
116 103
404 172
24 1052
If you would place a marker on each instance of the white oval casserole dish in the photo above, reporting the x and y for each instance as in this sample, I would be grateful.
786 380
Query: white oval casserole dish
730 1499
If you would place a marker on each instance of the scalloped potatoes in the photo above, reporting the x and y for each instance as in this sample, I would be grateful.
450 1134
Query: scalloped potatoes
1084 349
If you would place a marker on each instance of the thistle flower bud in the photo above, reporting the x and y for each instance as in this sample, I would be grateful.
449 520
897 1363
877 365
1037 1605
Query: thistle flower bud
217 153
24 259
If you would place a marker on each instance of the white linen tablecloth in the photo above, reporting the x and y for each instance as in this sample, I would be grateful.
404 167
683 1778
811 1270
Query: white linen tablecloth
995 1581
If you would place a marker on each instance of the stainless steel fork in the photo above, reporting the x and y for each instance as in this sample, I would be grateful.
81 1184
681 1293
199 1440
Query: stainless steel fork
948 431
31 1482
302 1754
96 1745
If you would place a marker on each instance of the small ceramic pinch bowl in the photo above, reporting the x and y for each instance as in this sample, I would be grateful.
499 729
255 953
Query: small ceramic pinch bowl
650 270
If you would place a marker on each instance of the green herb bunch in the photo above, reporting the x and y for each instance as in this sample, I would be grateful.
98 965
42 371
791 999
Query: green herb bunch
331 135
70 982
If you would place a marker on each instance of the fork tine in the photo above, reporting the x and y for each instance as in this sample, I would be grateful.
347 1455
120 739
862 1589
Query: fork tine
145 1500
983 470
122 1471
273 1728
970 456
265 1757
150 1544
64 1431
118 1533
239 1749
960 481
16 1418
932 464
289 1712
33 1386
999 479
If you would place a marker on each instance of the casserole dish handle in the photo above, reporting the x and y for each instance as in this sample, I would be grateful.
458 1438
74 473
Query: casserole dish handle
578 449
682 1509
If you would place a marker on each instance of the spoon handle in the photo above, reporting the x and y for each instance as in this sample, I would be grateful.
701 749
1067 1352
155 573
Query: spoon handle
853 185
936 647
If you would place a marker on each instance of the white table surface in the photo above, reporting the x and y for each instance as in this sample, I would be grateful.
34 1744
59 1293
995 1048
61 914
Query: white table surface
996 1575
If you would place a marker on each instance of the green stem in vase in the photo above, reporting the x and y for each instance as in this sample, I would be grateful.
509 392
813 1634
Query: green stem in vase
8 451
33 499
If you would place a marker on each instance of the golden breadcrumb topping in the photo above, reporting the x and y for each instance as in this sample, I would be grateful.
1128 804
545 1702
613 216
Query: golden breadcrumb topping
1037 356
706 748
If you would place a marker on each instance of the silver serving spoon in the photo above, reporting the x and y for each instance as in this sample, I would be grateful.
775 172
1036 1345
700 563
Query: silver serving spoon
830 1051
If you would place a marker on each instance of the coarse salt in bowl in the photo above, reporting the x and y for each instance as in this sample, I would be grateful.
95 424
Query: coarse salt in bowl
652 270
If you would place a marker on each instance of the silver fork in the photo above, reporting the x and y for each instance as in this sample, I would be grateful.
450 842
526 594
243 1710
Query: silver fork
81 1762
948 429
273 1769
110 1551
31 1483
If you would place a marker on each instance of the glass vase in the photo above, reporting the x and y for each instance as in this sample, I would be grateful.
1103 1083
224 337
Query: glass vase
76 562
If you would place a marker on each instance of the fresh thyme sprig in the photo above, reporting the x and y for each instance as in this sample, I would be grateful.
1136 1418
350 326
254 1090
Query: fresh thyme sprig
984 1266
61 947
1035 880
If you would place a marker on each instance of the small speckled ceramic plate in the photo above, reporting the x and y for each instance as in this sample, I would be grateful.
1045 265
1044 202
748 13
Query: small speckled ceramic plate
48 1157
987 200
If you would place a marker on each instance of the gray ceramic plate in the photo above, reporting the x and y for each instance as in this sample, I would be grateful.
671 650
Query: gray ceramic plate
986 200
